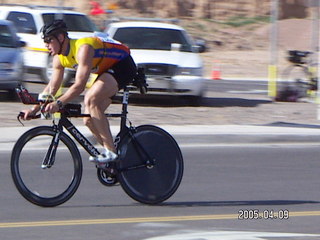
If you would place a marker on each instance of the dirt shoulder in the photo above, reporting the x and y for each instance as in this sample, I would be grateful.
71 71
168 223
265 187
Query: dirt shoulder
217 109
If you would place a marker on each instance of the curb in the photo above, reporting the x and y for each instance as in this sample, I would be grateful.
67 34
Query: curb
275 133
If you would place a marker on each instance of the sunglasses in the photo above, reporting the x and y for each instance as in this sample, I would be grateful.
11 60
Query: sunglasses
48 40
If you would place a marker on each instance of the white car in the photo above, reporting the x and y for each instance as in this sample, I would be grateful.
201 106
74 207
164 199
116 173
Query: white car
29 19
166 52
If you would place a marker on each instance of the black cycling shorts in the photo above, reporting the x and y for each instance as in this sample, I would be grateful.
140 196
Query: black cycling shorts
124 71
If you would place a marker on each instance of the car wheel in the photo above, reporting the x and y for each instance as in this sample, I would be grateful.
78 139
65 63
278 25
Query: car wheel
12 94
195 100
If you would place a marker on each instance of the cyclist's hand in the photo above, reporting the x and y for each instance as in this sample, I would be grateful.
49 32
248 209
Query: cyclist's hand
28 114
52 107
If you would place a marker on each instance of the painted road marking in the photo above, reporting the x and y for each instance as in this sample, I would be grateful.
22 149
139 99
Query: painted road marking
231 235
138 220
200 145
253 91
266 145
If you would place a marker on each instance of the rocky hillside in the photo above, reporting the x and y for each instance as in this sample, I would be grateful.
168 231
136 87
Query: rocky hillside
206 9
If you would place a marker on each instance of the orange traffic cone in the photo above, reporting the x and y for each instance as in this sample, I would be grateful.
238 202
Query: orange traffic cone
216 72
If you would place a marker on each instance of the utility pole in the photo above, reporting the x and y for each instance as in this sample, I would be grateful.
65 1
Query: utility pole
315 46
273 69
60 6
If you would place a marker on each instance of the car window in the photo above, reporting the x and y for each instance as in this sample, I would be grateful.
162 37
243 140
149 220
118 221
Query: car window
152 38
75 22
24 22
6 38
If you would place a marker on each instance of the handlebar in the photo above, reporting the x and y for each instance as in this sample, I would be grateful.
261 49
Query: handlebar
70 109
298 57
299 53
21 116
27 98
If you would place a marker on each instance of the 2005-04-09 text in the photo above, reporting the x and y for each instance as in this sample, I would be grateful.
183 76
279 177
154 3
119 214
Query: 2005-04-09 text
251 214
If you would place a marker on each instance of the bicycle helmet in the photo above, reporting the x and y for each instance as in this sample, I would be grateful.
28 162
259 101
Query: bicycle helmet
54 28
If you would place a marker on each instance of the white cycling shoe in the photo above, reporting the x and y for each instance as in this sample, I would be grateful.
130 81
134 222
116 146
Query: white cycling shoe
105 157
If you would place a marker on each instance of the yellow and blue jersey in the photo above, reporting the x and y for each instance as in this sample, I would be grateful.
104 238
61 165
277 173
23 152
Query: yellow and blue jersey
106 53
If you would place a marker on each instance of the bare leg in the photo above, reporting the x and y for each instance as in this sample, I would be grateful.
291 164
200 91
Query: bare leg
97 100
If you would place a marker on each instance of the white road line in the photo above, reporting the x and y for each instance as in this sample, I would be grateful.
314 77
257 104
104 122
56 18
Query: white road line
233 235
247 91
203 145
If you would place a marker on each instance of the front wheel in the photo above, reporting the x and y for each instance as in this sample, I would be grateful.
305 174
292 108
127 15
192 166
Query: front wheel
45 186
150 164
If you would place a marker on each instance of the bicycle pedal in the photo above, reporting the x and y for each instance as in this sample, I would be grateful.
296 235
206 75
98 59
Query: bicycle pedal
107 165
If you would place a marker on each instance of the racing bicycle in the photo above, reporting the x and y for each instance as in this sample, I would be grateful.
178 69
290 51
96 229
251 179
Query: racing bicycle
46 164
299 78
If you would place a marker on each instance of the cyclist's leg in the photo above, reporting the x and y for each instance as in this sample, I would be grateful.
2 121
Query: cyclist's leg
97 100
106 86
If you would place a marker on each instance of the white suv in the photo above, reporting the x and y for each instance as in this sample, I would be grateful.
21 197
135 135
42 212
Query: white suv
29 20
167 53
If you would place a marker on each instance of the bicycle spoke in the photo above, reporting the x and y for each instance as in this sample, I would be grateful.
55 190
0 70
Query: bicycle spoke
47 182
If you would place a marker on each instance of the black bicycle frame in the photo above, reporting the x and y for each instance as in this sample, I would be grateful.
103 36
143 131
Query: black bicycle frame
81 139
87 145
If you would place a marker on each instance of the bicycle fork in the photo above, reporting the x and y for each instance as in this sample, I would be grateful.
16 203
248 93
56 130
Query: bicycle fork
50 157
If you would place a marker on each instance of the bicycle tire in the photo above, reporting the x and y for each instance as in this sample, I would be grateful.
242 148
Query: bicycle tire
150 185
45 187
295 79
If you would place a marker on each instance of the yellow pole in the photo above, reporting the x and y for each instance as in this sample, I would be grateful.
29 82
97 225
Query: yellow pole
272 83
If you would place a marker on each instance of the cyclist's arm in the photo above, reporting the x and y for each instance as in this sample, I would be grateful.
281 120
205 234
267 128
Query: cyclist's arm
52 87
84 59
57 76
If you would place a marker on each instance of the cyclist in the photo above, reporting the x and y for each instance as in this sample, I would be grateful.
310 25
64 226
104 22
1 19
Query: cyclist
113 67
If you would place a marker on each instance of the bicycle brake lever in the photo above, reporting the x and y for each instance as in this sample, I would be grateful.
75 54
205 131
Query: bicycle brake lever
20 115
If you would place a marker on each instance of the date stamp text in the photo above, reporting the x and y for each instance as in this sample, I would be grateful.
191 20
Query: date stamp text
256 214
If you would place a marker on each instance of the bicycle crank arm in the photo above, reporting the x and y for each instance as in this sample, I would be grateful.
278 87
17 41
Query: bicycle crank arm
147 165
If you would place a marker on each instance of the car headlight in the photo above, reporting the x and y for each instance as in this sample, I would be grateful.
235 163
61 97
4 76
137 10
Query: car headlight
189 71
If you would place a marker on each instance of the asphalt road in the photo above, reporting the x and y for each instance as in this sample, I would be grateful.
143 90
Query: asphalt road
220 185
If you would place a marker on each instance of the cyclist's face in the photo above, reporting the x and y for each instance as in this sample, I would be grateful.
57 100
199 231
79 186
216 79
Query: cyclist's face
52 44
48 40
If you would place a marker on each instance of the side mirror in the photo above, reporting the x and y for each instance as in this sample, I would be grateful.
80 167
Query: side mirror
176 47
22 43
201 45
